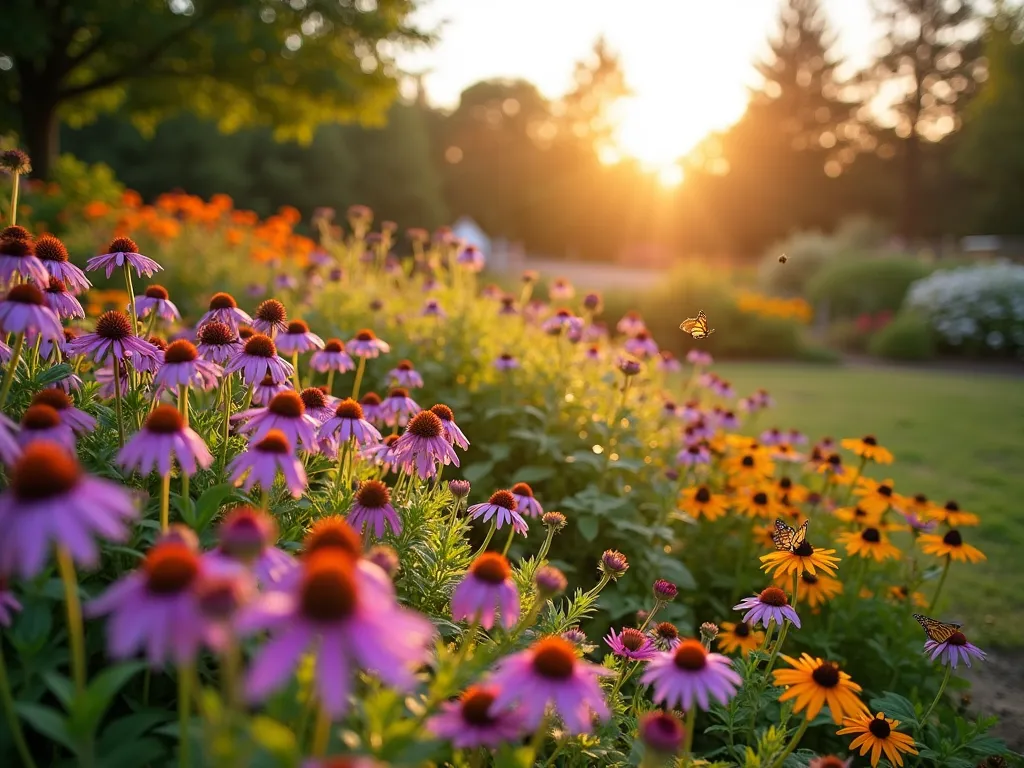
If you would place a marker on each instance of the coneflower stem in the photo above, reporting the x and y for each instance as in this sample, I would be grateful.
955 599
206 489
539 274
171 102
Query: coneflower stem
35 353
264 499
12 717
227 422
508 541
19 340
184 740
938 696
295 370
359 378
330 382
66 566
487 540
186 496
776 649
117 402
321 732
183 403
650 616
792 745
938 589
537 742
165 502
546 545
691 718
605 578
14 198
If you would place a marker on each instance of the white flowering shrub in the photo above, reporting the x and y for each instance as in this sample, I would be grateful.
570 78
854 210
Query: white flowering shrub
978 308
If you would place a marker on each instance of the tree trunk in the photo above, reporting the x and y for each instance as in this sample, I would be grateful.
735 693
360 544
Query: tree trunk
911 188
40 133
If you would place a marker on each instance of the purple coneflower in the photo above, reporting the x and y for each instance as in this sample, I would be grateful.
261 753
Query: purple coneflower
332 357
318 403
183 367
155 299
63 304
268 389
285 412
690 676
526 504
24 310
508 306
770 605
771 437
43 422
561 290
352 621
726 419
661 732
218 342
631 324
631 644
18 259
665 636
398 407
263 460
51 501
502 507
54 256
699 358
471 259
365 344
561 321
164 437
404 375
247 536
297 338
113 336
593 354
550 673
423 445
105 378
382 454
9 448
9 604
431 308
257 359
123 251
224 309
668 363
348 423
372 508
452 433
693 455
641 345
469 723
486 588
953 650
506 362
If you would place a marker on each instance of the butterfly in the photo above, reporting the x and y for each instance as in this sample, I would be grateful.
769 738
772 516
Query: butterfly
788 539
783 259
939 631
697 326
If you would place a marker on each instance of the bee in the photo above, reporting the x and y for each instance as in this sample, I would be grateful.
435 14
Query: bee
697 326
783 258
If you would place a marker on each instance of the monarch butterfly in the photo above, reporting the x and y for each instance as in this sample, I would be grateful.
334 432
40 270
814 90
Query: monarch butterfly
788 539
938 631
697 326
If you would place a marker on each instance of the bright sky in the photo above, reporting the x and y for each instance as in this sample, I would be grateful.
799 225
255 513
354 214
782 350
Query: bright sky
688 61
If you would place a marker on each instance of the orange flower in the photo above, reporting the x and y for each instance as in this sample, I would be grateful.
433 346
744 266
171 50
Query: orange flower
875 497
234 236
97 209
131 199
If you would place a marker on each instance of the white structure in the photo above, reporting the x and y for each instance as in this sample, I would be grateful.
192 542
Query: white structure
469 231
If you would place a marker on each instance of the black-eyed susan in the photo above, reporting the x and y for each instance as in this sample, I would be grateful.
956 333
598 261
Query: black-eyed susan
950 545
757 501
875 497
877 735
918 505
763 536
951 514
815 683
698 501
739 637
750 467
813 589
858 515
805 558
871 543
831 465
902 594
794 493
867 448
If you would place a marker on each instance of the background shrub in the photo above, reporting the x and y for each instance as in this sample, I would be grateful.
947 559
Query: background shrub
908 337
854 284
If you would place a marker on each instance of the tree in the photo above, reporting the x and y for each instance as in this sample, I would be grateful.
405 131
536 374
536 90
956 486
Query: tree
587 109
931 57
289 65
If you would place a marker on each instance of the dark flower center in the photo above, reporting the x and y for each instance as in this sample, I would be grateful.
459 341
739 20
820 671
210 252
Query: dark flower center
16 232
157 292
313 397
122 245
366 335
760 498
56 286
785 483
370 398
165 420
476 705
694 450
871 535
503 499
373 494
328 592
748 461
297 327
222 301
245 332
334 345
219 597
216 333
835 459
405 365
666 631
690 656
491 567
703 495
879 728
390 440
287 404
333 533
425 424
957 638
259 345
114 325
633 639
39 417
443 412
773 596
349 409
522 489
953 538
158 342
858 512
952 506
170 568
826 675
268 381
274 441
399 392
554 658
45 470
804 550
885 490
180 351
25 293
742 629
271 311
920 498
506 356
808 578
869 440
55 398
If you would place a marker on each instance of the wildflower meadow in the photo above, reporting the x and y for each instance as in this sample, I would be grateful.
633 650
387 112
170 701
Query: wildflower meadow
271 499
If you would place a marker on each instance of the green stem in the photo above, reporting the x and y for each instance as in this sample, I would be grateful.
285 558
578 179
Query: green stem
508 541
487 540
14 199
330 382
559 746
295 370
359 378
19 340
12 717
226 427
165 502
792 744
183 403
538 739
184 740
545 546
605 578
117 403
938 696
691 719
938 589
321 732
186 496
35 354
74 609
650 616
775 650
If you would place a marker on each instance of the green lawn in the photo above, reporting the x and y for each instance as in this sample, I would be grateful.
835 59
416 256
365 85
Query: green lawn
958 436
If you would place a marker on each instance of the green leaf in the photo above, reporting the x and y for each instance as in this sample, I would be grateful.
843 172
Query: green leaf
32 627
61 687
88 710
54 374
47 722
533 474
499 451
587 527
207 505
508 757
131 727
276 738
133 753
896 707
477 472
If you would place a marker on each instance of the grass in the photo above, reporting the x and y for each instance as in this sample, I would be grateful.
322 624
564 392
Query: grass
954 436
